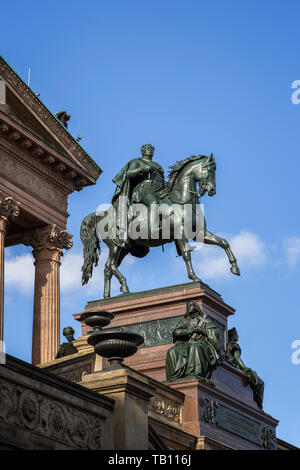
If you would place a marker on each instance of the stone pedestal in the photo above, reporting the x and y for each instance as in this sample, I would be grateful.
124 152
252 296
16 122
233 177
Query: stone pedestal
223 415
164 410
154 314
131 393
48 243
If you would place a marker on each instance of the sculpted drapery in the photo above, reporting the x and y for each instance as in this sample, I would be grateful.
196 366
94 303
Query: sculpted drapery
139 181
196 352
233 356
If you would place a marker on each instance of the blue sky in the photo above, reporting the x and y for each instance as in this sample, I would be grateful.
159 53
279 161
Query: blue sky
189 77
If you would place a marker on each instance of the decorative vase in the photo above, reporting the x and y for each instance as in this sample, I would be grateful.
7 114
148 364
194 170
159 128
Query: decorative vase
114 345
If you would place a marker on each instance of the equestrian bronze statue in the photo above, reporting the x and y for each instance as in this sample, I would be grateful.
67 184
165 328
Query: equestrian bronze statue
147 211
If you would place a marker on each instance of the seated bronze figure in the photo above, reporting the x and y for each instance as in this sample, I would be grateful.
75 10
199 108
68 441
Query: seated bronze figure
197 351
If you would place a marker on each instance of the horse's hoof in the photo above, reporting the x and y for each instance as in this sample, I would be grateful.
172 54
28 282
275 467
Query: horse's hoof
235 270
195 279
124 289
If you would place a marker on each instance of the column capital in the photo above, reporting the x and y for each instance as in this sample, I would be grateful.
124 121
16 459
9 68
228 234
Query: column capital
9 209
48 239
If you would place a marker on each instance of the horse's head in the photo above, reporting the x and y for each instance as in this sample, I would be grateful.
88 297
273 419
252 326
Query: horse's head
205 175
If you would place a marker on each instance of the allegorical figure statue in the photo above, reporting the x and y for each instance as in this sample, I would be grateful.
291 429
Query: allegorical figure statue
139 181
65 349
233 356
63 117
196 352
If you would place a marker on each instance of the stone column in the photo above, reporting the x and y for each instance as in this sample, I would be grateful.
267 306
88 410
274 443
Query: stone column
9 209
48 243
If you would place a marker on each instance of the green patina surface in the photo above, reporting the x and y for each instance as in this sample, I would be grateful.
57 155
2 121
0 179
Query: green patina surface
169 212
233 356
196 352
159 332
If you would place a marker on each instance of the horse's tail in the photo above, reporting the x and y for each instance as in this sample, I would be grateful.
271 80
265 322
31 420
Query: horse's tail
91 246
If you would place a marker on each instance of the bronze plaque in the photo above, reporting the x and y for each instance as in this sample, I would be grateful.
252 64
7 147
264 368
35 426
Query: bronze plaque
238 424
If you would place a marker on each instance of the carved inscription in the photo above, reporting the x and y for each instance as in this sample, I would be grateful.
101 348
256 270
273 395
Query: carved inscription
216 413
238 424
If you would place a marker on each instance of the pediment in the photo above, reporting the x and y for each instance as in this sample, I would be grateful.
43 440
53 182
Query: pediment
17 111
23 107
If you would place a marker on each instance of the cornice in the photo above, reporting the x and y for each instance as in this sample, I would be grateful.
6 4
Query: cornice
42 170
41 150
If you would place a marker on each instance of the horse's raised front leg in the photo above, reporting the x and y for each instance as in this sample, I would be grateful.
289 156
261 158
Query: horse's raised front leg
183 248
212 239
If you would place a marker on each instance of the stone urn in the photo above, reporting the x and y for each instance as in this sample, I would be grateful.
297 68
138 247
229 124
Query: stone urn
114 345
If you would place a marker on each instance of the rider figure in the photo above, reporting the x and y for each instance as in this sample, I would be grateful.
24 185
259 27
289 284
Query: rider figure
140 181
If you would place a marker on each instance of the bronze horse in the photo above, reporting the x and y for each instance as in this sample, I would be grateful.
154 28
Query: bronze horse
180 190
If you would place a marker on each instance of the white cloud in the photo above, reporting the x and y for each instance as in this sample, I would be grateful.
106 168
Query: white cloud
212 262
71 272
19 273
249 248
292 250
70 275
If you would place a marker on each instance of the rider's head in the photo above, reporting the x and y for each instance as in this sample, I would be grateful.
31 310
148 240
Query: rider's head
147 150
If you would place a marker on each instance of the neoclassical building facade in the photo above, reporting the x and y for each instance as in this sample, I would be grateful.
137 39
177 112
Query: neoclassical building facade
41 164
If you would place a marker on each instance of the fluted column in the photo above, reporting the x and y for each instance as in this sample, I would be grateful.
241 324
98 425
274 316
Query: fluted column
9 209
48 243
